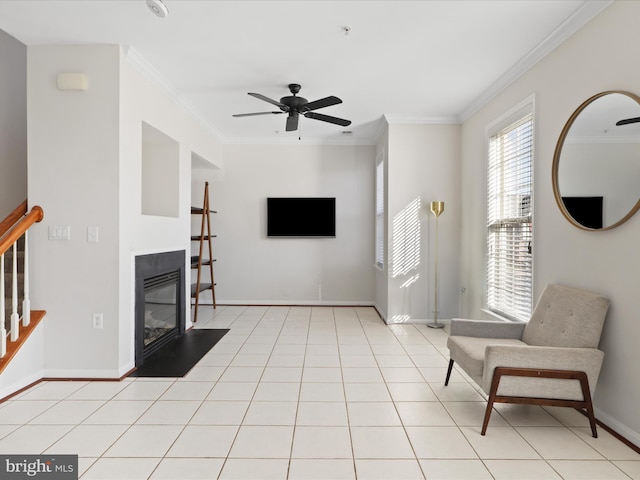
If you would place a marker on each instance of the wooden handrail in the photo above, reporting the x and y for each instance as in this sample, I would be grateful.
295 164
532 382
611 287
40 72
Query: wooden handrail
34 216
12 218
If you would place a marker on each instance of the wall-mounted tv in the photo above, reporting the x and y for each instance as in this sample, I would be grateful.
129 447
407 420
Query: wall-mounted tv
301 217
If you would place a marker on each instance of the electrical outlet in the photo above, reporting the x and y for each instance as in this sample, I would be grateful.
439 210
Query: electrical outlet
92 234
97 320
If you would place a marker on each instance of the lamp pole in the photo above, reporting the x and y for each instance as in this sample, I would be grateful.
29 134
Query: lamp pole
436 208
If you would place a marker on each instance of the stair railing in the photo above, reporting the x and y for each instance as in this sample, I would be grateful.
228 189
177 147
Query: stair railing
12 228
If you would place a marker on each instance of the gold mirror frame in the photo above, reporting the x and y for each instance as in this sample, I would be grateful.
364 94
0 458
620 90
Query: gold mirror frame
556 164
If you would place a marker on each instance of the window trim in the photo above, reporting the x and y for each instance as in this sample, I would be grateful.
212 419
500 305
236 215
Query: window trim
525 107
380 206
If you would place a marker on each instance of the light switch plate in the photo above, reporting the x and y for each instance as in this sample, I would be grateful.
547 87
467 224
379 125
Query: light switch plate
59 232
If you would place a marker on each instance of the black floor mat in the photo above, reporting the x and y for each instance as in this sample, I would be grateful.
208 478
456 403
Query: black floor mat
179 356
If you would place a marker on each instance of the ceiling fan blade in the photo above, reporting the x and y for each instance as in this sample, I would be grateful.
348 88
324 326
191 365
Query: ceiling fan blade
292 123
323 102
328 118
269 100
253 114
627 121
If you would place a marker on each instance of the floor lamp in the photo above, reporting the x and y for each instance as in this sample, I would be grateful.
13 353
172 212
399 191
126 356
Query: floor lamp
436 208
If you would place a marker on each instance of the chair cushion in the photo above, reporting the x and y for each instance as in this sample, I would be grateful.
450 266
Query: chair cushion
468 352
566 317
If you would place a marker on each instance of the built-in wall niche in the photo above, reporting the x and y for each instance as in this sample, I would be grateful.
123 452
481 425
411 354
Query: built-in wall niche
160 173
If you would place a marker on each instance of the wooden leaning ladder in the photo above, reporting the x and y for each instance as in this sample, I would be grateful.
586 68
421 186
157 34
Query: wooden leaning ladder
199 262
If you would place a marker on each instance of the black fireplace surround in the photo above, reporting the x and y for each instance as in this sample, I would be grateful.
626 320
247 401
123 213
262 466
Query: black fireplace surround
159 301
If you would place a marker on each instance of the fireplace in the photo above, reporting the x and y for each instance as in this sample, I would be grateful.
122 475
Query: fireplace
159 301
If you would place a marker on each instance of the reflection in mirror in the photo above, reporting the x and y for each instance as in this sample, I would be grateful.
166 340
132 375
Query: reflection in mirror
596 165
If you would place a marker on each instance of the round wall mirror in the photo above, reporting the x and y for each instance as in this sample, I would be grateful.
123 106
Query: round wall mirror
596 164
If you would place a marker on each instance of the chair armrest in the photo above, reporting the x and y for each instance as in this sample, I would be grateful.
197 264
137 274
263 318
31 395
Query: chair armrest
486 328
588 360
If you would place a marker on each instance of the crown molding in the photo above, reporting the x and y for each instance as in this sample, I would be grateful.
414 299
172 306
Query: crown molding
393 119
571 25
142 65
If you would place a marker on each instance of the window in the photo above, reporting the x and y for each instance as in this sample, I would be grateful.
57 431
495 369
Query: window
380 234
509 217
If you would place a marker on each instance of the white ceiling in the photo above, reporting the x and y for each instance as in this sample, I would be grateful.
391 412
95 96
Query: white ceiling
411 61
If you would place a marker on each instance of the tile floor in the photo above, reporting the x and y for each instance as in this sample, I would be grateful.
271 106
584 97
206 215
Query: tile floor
307 393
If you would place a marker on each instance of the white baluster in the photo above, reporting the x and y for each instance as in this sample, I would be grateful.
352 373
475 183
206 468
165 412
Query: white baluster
26 302
15 318
3 331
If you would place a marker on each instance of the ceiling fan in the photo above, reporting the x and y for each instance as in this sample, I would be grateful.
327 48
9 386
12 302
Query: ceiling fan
295 106
627 121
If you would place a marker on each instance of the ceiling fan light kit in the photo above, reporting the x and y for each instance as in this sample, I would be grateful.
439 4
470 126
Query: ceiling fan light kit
158 8
295 106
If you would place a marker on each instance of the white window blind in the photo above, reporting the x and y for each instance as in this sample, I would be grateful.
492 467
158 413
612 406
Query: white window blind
380 211
509 220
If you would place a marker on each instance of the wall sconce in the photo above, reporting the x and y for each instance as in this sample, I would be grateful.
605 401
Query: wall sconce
72 81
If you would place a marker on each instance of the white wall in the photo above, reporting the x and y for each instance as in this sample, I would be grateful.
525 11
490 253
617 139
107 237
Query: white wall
597 58
13 123
423 166
252 268
85 164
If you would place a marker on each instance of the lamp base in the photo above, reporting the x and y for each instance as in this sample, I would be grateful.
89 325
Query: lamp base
435 325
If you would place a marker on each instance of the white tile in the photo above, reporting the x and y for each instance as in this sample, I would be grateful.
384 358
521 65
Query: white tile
254 469
362 375
526 415
411 392
367 392
321 442
271 413
144 441
322 414
558 443
169 412
289 349
88 440
362 349
233 391
220 413
321 469
371 414
242 374
143 390
286 361
381 443
608 445
98 391
440 442
187 391
424 414
122 412
203 441
397 361
363 361
401 374
456 392
322 360
521 470
18 412
587 470
69 412
216 360
322 392
121 468
52 390
457 470
282 374
262 442
247 360
34 439
188 469
277 391
386 347
435 360
322 375
499 443
631 468
471 414
388 469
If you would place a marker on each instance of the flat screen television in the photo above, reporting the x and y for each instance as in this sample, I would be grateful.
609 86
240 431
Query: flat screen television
587 211
301 217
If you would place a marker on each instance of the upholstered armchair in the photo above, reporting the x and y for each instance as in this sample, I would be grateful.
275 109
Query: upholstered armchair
551 360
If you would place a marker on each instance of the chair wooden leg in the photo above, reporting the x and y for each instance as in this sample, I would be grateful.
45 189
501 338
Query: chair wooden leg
586 395
495 382
446 380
